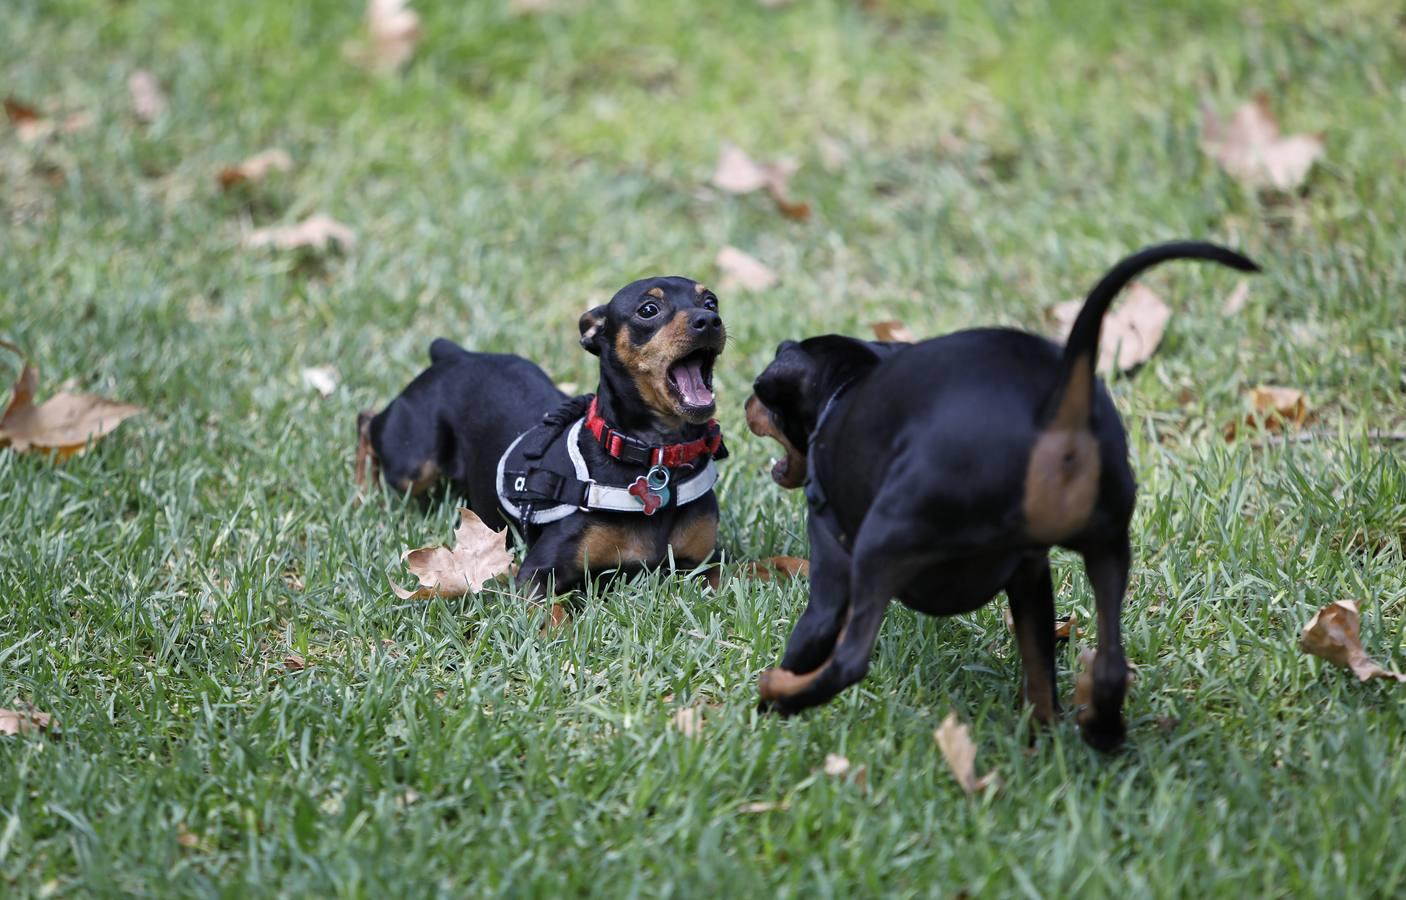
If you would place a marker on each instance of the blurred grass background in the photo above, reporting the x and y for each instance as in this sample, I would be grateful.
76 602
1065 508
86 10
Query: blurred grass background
967 163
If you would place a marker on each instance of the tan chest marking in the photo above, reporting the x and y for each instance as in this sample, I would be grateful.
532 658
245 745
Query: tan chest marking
611 546
695 540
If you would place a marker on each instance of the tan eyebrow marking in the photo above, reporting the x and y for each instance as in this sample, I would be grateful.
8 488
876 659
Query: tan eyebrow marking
656 292
700 288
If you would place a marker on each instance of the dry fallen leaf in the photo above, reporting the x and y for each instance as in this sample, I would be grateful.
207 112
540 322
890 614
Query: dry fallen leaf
256 168
738 173
1131 331
1334 633
836 766
778 568
1274 408
294 662
1064 626
23 721
394 30
185 837
64 424
315 232
893 330
764 806
323 379
959 751
743 271
31 126
1250 149
1084 681
479 555
1236 300
148 100
688 721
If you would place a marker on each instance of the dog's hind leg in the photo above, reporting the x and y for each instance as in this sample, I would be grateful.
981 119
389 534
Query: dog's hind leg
1031 596
1102 687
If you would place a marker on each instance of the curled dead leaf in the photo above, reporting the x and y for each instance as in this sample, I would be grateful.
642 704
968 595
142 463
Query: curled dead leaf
764 806
256 168
1251 150
688 721
24 720
778 568
316 232
955 741
743 271
893 330
478 556
738 173
394 32
294 662
1273 408
1335 634
1131 330
65 424
323 379
148 100
30 125
1235 301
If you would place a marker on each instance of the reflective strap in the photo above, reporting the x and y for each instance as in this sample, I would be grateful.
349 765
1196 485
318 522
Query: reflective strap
618 499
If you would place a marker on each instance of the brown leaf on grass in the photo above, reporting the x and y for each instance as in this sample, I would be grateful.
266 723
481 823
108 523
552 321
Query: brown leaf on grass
763 806
1084 682
778 568
24 720
1131 331
957 748
557 618
1067 627
322 379
256 168
1274 409
688 721
186 838
30 125
294 662
1334 633
394 32
738 173
478 556
893 330
1236 299
836 766
148 100
316 232
742 271
64 424
1251 150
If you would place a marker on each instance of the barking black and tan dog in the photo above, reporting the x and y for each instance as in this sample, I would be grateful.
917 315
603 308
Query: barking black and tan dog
616 481
942 473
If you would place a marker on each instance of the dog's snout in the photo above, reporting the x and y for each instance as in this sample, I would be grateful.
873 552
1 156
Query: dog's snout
706 320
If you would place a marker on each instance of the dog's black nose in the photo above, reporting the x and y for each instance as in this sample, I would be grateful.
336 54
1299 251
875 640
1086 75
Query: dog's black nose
706 320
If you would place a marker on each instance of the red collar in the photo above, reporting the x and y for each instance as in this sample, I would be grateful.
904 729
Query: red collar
633 450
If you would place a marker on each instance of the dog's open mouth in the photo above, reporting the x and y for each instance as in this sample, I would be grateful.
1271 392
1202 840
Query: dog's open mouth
691 379
790 470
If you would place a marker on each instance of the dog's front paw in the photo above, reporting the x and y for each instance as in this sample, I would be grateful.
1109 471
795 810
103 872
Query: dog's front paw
773 701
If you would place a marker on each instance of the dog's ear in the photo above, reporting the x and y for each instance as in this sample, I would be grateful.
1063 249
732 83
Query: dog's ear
592 324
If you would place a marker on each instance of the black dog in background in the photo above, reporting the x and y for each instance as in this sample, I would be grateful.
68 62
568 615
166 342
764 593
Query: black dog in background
613 481
942 473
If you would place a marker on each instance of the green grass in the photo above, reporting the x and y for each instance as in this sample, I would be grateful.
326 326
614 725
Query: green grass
520 170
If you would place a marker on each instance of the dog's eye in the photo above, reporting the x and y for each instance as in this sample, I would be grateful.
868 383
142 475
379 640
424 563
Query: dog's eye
711 303
648 311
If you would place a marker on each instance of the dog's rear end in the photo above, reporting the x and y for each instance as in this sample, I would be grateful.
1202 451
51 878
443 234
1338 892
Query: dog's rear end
943 474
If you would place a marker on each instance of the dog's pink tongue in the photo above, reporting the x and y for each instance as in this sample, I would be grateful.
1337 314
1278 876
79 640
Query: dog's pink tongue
689 377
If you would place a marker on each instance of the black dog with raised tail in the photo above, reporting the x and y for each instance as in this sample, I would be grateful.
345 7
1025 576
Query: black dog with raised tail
942 473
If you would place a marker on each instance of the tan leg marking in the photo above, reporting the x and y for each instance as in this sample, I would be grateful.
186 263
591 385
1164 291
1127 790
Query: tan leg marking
611 546
696 539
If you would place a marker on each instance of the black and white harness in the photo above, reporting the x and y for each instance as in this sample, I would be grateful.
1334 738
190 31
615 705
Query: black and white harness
543 476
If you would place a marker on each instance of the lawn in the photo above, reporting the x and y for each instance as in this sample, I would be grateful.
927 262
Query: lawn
967 163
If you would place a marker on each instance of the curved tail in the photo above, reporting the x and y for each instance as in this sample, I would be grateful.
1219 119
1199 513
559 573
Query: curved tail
1072 398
